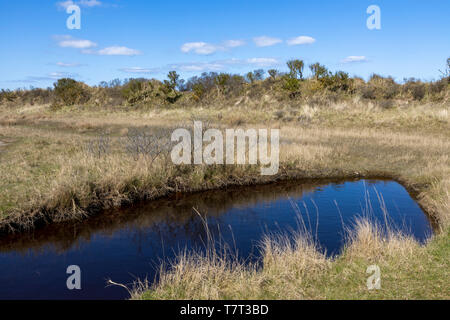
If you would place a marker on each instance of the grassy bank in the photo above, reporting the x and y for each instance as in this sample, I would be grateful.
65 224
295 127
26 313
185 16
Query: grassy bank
53 168
296 270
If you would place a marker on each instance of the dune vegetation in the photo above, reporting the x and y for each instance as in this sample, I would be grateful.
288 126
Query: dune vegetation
68 152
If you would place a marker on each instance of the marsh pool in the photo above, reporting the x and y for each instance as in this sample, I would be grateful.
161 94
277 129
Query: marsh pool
126 244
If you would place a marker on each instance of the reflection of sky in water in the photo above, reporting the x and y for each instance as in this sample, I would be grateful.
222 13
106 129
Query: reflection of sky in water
135 248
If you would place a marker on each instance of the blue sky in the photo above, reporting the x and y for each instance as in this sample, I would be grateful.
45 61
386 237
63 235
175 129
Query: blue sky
124 39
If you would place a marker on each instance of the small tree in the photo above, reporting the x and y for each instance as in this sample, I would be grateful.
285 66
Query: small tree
250 77
7 95
259 74
170 86
319 71
446 72
255 75
173 80
222 80
296 68
115 83
273 73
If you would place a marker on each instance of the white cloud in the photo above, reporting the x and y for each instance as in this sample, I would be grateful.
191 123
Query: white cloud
87 46
263 62
139 70
202 48
48 77
59 75
233 61
234 43
118 51
301 40
212 66
198 66
65 4
82 3
90 3
351 59
69 42
221 65
266 41
67 65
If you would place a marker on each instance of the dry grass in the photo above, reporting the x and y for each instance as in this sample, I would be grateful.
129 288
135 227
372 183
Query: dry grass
47 169
47 176
292 268
288 266
370 240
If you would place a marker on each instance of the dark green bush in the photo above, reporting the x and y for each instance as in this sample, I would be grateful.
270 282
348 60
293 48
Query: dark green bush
213 84
415 88
368 92
70 92
340 81
379 87
132 88
292 85
137 90
7 96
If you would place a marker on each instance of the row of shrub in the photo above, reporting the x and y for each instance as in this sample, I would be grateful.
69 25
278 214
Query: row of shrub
214 87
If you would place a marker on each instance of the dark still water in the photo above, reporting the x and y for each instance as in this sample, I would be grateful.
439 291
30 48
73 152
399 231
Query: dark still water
126 244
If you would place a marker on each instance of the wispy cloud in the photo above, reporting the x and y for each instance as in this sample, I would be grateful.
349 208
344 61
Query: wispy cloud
59 75
139 70
301 40
352 59
48 77
87 46
68 65
82 3
204 48
90 3
262 62
69 42
234 43
213 66
198 66
118 51
265 41
201 48
222 65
